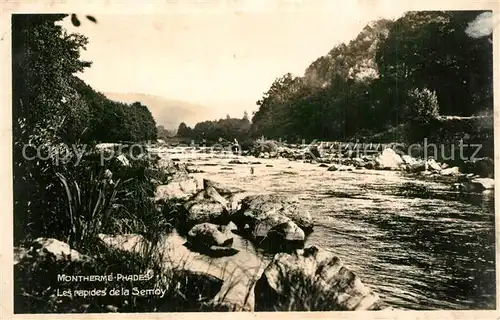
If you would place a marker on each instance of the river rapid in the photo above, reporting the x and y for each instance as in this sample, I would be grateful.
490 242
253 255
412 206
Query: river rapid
418 244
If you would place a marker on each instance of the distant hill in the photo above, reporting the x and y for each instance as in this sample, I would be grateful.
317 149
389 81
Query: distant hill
355 60
166 112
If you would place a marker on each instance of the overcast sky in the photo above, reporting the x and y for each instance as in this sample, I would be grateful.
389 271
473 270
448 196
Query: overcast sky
225 61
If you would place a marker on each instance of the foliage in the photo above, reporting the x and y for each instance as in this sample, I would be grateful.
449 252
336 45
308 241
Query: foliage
46 111
55 117
421 105
361 87
432 49
226 129
184 131
113 121
89 206
164 133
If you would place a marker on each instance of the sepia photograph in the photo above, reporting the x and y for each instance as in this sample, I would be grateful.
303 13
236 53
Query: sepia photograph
295 159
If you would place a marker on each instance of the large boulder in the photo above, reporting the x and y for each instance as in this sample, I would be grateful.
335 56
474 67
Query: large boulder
210 192
486 183
287 232
207 235
413 165
255 208
453 171
262 227
477 185
207 238
388 160
312 279
204 210
433 166
273 222
180 189
238 272
220 188
205 206
284 237
48 247
409 160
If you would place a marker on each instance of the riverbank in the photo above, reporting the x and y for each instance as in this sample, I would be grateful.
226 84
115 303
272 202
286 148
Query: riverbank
223 207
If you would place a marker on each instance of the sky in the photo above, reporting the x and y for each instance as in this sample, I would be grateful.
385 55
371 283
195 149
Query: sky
222 59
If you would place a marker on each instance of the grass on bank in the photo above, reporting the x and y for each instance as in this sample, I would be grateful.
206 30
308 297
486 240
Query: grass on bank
93 202
112 199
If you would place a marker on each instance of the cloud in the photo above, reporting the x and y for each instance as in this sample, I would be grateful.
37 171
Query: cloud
482 26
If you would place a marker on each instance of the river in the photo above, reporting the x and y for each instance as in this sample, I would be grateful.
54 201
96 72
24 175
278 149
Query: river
418 244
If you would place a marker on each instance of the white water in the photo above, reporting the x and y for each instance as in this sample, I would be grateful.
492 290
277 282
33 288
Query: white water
417 244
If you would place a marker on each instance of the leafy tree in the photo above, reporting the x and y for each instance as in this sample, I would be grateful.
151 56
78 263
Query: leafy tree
421 105
44 58
46 111
51 107
112 121
368 85
432 49
184 131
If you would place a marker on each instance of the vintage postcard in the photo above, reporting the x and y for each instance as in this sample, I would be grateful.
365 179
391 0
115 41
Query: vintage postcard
250 157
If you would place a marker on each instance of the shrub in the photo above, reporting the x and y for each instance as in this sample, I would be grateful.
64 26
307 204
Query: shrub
421 105
73 201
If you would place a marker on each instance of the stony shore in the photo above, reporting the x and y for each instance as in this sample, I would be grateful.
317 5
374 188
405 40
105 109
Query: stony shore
220 233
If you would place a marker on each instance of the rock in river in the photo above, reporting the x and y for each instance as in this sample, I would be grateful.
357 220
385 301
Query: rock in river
262 227
484 167
388 160
340 167
206 238
255 208
178 189
284 237
312 279
453 171
206 206
221 189
205 210
477 185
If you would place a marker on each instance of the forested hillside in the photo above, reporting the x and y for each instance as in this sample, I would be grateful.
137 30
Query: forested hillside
406 72
55 112
213 130
51 104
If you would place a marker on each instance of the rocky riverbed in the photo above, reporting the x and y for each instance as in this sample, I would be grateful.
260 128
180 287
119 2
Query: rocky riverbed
422 239
366 233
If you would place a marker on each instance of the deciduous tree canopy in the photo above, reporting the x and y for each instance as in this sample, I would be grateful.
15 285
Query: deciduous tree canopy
367 85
